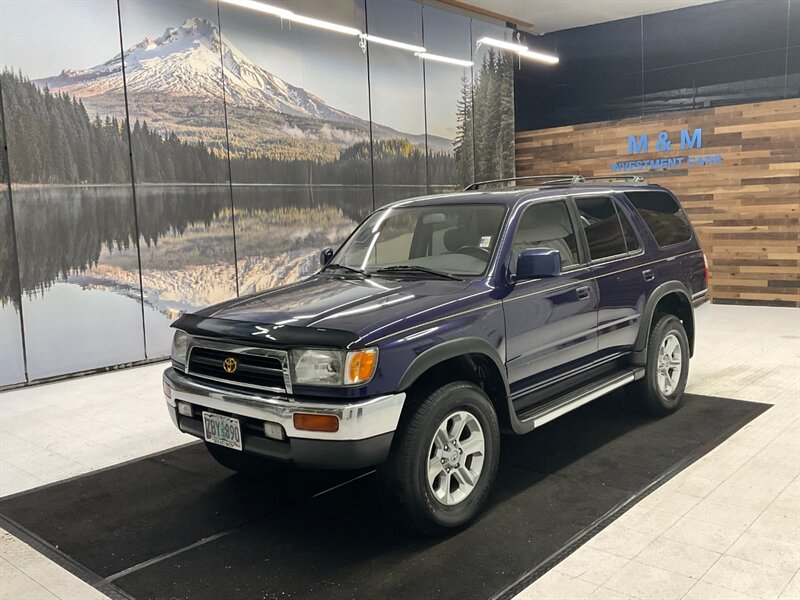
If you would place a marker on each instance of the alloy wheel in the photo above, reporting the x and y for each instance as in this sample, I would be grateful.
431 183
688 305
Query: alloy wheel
456 457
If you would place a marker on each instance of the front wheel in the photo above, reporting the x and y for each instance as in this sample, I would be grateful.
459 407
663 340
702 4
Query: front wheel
667 368
444 459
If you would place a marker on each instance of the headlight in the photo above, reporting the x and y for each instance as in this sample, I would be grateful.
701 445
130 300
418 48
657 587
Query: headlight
180 346
333 367
317 367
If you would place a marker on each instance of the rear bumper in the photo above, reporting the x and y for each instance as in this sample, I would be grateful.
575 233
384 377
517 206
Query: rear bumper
366 427
700 298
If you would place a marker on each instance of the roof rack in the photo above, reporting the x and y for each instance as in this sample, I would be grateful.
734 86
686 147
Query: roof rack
629 178
558 179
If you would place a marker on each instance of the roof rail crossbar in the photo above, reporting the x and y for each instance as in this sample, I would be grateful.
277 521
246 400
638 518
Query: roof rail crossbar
557 179
629 178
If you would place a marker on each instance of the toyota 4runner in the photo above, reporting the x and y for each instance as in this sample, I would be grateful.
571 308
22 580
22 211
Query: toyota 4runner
440 322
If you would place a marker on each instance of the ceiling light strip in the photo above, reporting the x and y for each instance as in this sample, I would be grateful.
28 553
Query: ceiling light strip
260 7
540 56
502 44
520 49
393 43
444 59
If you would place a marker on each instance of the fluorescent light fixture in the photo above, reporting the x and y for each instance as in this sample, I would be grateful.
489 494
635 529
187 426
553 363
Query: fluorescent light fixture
502 44
520 49
444 59
322 24
295 18
546 58
259 7
393 43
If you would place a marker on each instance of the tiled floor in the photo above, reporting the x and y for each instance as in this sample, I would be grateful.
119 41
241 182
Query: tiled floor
726 527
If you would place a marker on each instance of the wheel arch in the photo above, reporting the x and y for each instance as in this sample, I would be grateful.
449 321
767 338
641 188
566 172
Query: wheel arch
470 359
669 298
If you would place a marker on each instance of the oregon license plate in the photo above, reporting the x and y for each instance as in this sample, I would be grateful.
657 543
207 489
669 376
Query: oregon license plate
222 430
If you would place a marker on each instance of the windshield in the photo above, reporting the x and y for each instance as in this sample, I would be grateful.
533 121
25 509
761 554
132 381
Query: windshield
453 239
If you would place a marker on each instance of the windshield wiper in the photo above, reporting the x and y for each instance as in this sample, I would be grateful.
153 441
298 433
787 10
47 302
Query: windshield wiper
346 268
413 270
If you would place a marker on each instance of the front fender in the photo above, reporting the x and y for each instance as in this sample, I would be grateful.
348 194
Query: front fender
451 349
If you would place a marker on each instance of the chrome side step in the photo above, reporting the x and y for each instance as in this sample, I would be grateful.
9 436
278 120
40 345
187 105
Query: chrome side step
561 405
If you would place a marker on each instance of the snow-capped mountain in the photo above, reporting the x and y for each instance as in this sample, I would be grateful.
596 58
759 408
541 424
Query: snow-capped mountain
185 61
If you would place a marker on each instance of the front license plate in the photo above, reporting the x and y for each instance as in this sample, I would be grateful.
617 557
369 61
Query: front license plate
222 430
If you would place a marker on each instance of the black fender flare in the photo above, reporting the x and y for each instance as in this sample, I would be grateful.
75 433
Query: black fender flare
451 349
670 287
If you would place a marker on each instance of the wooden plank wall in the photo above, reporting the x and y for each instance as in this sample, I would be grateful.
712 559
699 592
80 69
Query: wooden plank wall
746 210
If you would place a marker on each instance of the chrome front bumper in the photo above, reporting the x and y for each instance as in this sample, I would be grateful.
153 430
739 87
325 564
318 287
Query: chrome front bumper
357 420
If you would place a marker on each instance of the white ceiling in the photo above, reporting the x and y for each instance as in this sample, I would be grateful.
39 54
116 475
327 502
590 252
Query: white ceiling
553 15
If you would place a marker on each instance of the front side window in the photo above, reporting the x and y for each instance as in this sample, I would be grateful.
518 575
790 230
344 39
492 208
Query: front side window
663 216
452 239
601 225
546 225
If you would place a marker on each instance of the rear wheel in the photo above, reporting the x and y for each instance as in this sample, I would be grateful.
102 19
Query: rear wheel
667 368
444 459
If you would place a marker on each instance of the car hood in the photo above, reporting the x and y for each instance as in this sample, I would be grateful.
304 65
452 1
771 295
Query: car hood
322 302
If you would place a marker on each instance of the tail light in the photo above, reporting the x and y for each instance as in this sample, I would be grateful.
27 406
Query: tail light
705 268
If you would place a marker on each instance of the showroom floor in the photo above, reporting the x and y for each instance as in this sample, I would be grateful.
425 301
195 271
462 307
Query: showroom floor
728 526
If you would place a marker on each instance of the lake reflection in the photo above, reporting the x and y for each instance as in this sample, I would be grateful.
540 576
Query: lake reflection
79 259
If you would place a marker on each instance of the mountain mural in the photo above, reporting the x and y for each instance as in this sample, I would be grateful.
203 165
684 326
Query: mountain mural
174 83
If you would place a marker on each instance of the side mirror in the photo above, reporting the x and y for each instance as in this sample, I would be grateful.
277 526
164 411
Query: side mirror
534 263
325 256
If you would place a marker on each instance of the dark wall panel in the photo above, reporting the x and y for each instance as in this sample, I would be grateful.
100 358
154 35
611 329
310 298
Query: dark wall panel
72 195
173 69
713 31
717 54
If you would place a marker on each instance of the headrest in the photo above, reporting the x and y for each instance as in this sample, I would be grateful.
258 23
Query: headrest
455 239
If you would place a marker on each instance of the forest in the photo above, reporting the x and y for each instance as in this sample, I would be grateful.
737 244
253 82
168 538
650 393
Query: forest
53 140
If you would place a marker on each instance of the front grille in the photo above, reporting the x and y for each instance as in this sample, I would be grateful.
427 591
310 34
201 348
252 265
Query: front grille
252 370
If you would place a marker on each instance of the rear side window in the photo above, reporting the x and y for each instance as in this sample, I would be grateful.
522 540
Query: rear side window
663 216
627 230
601 226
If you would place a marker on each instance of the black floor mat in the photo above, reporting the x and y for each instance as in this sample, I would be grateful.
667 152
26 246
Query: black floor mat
177 525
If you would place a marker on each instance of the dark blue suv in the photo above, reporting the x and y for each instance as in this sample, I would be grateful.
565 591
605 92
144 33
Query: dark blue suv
440 322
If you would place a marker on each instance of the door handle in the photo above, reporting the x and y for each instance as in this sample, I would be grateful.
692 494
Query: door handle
583 292
648 275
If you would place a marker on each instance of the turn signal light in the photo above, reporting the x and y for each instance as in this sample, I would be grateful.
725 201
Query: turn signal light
308 422
360 365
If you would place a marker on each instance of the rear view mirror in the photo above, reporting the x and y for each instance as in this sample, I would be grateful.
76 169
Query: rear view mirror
534 263
433 219
325 256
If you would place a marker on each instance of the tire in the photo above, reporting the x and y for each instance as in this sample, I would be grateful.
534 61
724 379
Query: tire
235 460
448 502
661 389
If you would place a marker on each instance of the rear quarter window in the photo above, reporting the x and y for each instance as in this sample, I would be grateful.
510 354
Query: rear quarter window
663 216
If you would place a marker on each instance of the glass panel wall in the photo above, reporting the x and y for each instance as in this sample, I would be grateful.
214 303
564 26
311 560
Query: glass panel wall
232 147
448 101
397 97
12 362
173 70
493 103
72 194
